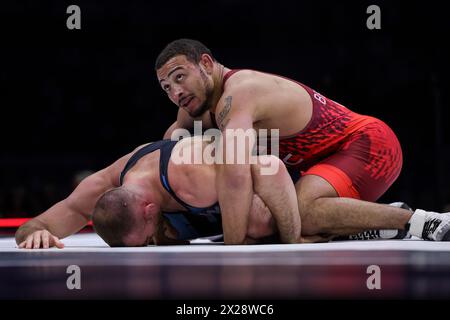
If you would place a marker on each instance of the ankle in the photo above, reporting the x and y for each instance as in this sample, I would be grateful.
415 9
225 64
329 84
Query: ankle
416 223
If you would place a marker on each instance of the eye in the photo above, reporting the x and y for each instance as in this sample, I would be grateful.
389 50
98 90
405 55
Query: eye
179 77
166 87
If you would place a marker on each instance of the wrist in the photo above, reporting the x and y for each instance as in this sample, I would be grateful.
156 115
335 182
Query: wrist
25 230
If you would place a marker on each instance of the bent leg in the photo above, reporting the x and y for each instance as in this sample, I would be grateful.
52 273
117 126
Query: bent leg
322 211
337 195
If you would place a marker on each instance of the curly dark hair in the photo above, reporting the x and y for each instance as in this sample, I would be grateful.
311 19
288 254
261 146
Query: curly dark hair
192 49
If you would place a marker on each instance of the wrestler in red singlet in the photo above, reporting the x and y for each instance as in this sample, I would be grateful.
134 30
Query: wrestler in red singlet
360 156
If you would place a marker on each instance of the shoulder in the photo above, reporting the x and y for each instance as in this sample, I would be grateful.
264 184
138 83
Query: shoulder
246 87
114 170
244 79
242 93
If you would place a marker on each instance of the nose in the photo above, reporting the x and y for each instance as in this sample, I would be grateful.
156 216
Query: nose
178 92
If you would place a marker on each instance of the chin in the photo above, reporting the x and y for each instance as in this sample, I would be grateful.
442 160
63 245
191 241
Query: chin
198 111
205 106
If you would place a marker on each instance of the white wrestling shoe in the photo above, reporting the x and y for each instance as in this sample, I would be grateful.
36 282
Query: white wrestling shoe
429 225
384 234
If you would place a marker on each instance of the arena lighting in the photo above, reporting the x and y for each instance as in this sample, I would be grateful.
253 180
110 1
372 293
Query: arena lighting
17 222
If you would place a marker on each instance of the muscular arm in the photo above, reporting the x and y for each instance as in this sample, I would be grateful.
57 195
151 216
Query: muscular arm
73 213
234 181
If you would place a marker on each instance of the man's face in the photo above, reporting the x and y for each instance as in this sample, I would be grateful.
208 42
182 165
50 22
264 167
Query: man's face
186 84
141 235
142 231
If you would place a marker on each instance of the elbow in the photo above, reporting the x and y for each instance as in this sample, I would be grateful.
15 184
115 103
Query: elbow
236 178
236 182
71 203
168 134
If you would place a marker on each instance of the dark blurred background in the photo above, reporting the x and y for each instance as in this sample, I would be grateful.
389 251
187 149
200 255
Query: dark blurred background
73 101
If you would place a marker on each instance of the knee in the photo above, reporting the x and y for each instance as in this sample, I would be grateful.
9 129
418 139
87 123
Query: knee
311 190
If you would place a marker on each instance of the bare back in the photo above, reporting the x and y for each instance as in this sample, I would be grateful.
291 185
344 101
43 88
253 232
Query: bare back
194 181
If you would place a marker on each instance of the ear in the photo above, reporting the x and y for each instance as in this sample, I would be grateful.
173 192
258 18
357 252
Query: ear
207 63
151 211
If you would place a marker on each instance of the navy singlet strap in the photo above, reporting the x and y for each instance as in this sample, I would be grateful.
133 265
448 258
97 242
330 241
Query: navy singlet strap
139 154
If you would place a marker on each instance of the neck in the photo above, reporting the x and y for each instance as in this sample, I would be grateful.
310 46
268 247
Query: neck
218 81
149 188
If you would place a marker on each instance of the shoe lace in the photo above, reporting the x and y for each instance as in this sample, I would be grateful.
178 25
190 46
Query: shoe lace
366 235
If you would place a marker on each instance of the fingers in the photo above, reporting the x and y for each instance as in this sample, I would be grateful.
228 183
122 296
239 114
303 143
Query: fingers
45 239
58 243
41 238
248 240
29 242
308 239
316 238
156 240
37 240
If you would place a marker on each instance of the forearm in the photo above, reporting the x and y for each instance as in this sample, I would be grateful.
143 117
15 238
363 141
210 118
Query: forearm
235 197
235 119
60 220
71 214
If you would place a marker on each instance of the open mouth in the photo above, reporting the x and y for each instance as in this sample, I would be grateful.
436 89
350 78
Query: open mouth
185 102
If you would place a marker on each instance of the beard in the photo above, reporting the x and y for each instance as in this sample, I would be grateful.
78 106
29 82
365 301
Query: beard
206 105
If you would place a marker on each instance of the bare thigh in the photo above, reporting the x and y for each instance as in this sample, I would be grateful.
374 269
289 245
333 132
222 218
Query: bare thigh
310 188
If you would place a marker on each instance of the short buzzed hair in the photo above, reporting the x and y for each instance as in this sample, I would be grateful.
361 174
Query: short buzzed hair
192 49
113 217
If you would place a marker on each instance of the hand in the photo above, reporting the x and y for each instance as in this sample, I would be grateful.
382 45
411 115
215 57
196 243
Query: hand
162 240
316 238
41 239
249 240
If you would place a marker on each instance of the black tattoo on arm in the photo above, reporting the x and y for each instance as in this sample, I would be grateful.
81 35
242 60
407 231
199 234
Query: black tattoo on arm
223 114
